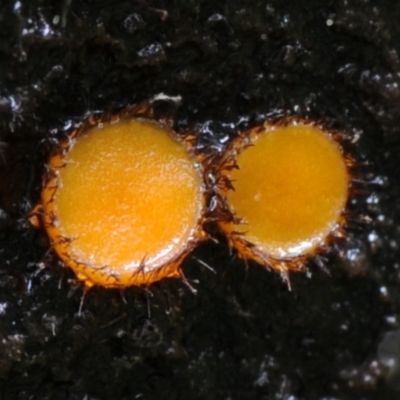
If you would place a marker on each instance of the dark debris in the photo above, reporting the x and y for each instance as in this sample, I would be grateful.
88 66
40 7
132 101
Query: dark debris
243 335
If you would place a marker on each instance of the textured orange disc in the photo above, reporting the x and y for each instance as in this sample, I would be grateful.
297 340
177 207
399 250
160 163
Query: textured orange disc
123 204
290 190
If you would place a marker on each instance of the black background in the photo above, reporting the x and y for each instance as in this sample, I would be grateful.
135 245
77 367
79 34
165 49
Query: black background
244 335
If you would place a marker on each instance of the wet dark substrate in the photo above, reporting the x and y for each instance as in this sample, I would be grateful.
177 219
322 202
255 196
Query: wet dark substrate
243 335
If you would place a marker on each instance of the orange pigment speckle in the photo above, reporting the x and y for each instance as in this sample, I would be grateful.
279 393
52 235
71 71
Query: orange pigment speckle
290 191
123 203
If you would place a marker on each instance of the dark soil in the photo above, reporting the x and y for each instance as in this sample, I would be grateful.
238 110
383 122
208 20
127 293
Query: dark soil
244 335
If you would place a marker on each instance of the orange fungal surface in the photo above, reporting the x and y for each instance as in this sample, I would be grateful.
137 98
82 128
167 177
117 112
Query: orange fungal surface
122 204
290 189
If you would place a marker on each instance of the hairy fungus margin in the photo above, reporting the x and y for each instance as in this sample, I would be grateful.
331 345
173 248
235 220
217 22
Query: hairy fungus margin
261 196
76 249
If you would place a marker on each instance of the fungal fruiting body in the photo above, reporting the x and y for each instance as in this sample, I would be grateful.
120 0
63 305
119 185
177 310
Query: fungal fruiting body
290 190
122 203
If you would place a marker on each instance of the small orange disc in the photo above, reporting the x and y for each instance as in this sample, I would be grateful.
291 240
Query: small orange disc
123 203
290 189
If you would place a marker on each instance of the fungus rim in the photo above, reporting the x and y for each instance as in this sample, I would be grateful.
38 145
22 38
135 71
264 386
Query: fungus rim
219 167
60 244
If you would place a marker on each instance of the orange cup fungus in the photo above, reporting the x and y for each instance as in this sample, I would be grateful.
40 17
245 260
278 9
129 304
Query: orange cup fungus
122 203
290 190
